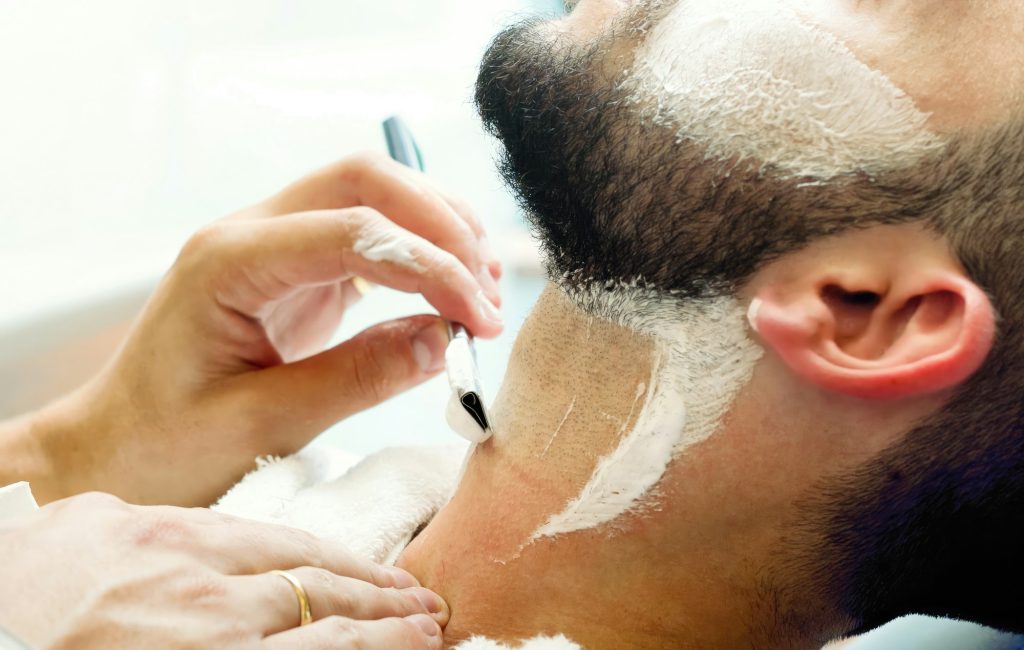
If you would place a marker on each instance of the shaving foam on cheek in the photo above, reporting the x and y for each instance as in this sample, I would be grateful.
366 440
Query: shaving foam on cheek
387 247
751 79
703 357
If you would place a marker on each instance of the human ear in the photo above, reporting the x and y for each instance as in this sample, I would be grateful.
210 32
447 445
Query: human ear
876 328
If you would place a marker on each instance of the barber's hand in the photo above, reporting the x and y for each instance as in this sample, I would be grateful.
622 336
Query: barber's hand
92 572
227 362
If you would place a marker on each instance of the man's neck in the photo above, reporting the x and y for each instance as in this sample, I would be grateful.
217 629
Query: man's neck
644 580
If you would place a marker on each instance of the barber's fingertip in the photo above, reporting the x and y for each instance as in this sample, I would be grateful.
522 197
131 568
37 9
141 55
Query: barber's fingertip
400 578
425 624
487 254
428 346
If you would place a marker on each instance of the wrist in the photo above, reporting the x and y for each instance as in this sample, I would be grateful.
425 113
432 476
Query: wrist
24 455
41 448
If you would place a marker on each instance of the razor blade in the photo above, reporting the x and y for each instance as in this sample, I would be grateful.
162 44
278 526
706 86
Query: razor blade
464 380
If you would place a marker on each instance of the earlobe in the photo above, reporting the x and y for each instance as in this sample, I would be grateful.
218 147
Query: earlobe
928 334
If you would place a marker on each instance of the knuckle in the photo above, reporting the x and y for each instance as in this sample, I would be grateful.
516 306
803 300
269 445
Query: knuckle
340 601
205 249
160 530
317 578
305 544
206 590
357 167
365 218
209 237
412 636
369 572
100 500
392 602
344 631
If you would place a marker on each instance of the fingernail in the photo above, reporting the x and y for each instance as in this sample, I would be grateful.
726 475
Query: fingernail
362 285
486 281
401 579
490 260
487 309
426 624
428 347
430 601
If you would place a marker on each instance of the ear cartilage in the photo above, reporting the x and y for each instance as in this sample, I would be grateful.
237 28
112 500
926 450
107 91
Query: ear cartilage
466 412
752 312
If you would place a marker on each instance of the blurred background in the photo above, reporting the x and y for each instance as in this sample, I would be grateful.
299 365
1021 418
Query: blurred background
128 124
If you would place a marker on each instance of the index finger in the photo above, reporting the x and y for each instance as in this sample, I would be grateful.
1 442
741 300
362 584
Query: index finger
265 260
403 195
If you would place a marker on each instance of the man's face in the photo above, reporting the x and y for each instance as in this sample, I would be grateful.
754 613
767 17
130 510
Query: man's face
692 143
686 142
953 57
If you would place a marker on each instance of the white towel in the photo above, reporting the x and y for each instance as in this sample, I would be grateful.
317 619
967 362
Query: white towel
373 507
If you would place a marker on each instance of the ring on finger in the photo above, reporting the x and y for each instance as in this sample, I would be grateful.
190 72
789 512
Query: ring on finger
305 613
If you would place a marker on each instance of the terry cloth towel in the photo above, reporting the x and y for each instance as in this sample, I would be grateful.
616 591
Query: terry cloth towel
374 507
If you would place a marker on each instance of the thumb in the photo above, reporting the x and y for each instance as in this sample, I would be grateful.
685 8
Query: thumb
309 396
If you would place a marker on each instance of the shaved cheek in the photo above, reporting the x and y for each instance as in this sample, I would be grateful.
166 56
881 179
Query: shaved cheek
701 358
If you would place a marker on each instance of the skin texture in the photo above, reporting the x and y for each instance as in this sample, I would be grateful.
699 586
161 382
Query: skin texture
724 556
227 360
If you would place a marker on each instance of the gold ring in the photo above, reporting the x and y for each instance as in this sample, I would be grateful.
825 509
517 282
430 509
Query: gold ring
305 614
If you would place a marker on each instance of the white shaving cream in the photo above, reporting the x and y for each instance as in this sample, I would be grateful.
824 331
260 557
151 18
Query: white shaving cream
386 247
752 79
702 358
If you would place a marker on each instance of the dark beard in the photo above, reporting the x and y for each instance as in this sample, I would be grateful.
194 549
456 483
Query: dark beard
614 195
931 525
